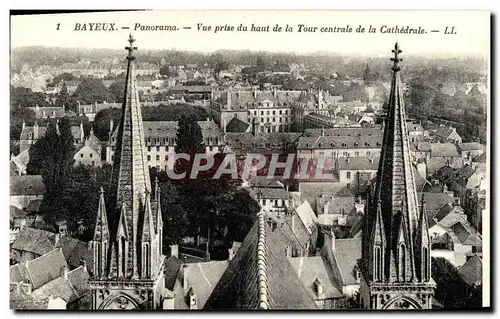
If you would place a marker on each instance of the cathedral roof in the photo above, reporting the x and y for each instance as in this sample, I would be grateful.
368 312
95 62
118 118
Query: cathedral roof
260 276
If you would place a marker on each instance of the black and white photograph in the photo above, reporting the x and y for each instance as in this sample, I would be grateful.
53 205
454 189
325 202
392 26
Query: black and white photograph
209 160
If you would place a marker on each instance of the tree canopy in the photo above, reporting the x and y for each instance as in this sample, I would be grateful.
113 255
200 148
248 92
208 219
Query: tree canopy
92 90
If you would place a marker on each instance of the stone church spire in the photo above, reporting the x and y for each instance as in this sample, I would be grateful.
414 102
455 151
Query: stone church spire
395 186
134 258
395 263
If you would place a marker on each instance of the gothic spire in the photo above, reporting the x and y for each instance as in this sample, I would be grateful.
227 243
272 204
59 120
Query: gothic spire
130 177
101 227
148 229
395 186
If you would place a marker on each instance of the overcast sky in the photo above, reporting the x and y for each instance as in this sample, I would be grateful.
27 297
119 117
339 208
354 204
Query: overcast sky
472 28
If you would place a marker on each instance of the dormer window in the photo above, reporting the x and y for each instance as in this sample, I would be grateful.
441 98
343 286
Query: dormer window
378 144
344 144
308 144
332 144
356 144
367 143
319 287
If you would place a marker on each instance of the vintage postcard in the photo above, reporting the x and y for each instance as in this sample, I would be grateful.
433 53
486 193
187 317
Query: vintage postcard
240 160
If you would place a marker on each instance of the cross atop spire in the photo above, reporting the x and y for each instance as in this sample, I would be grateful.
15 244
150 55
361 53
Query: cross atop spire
131 48
396 58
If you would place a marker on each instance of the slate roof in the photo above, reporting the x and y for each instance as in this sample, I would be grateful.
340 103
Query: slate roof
237 126
172 268
472 271
26 185
443 131
263 142
465 235
310 268
346 253
202 278
358 163
34 240
75 250
307 216
472 146
444 150
340 142
435 201
16 212
260 275
269 193
45 268
29 130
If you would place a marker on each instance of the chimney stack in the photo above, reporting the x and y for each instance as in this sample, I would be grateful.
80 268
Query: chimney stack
111 125
26 287
35 131
185 278
174 251
64 272
24 125
333 239
326 207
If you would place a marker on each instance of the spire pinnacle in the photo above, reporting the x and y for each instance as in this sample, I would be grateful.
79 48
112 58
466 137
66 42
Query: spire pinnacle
131 47
101 191
396 59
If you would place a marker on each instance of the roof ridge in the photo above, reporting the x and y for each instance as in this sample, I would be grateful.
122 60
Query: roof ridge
261 263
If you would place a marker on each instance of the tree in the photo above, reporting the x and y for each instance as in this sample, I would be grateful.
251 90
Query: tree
17 116
165 71
61 77
52 156
117 91
90 91
25 97
451 290
63 99
102 122
189 136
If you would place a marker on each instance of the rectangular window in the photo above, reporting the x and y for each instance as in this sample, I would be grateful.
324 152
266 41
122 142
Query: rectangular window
149 148
262 120
90 155
166 157
356 154
157 148
81 155
367 153
348 175
274 112
157 157
149 157
348 185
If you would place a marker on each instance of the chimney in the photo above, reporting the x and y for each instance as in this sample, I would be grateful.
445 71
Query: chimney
24 125
229 102
208 119
57 238
83 263
325 207
95 107
333 239
323 131
293 222
193 299
110 125
274 92
35 131
456 202
82 132
288 251
231 254
168 303
320 289
185 278
64 272
26 287
254 93
174 251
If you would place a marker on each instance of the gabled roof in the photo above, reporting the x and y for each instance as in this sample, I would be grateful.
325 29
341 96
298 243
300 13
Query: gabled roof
317 268
307 216
75 250
260 275
236 125
444 150
346 253
26 185
45 268
465 234
172 268
472 146
358 163
472 271
34 240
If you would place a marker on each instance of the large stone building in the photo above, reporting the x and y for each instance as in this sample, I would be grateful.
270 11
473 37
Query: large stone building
271 111
128 261
396 262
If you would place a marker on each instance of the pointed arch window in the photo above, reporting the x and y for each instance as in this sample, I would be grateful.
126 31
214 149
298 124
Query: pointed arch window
378 263
402 262
426 263
122 256
98 259
146 260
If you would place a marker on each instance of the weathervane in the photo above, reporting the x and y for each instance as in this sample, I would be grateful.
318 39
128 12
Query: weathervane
396 58
131 48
